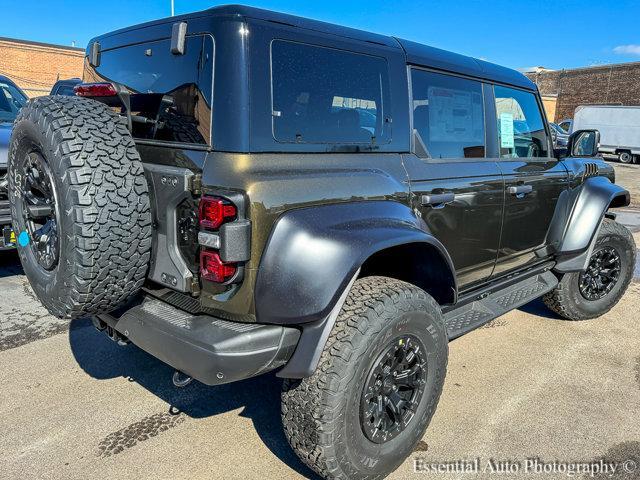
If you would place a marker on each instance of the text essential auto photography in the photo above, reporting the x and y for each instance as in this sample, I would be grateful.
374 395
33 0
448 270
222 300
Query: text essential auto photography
355 240
530 466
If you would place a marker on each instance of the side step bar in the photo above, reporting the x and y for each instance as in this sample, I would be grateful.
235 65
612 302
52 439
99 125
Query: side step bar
468 317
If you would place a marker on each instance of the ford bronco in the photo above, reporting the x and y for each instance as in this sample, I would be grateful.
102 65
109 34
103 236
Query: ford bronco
237 191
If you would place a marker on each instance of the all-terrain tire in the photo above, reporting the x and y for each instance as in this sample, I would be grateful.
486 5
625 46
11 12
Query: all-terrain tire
321 413
566 299
100 199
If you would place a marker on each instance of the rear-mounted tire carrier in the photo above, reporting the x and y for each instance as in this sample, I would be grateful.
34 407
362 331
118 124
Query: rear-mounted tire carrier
99 204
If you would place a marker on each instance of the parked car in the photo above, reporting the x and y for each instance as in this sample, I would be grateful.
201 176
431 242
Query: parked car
559 136
619 129
566 125
65 87
243 225
12 99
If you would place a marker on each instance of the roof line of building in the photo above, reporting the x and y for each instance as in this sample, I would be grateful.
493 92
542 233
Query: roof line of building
40 44
588 67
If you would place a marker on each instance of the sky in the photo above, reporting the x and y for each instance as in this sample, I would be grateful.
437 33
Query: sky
515 33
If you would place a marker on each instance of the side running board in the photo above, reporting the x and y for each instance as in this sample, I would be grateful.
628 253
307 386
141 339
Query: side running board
468 317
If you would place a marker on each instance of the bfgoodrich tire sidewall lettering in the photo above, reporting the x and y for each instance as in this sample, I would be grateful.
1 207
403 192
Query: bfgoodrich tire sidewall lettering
27 139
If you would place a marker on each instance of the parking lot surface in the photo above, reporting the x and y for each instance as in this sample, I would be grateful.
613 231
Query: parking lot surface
528 385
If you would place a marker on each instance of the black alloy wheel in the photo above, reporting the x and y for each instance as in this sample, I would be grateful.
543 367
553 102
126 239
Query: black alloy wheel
601 275
393 389
39 210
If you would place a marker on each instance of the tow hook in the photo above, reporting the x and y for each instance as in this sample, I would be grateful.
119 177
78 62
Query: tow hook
181 380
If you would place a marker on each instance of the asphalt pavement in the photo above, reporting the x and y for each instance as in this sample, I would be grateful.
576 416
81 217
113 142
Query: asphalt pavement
528 387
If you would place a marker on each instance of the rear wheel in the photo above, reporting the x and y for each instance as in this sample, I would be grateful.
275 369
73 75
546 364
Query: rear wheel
80 205
625 157
372 396
592 293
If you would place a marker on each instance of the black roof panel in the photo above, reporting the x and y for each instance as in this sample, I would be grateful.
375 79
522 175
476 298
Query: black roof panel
416 53
426 56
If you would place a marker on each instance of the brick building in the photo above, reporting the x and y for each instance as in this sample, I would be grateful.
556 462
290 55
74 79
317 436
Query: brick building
564 90
35 67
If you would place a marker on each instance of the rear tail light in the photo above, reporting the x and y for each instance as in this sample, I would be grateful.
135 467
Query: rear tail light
215 211
214 269
95 90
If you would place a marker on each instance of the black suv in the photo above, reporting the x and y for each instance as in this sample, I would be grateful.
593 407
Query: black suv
237 191
65 87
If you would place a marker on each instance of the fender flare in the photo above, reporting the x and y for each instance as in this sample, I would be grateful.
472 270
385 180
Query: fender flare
312 257
592 199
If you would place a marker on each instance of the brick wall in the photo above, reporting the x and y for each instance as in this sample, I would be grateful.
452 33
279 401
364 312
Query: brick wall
603 85
35 67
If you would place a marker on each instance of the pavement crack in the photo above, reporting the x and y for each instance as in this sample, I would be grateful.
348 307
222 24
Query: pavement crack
137 432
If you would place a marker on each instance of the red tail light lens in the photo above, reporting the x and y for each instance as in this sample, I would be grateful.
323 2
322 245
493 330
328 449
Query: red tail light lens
215 211
95 90
214 269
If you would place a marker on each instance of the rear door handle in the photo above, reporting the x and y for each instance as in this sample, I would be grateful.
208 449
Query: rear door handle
520 190
437 200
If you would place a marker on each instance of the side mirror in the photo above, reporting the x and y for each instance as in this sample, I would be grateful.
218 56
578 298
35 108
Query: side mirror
584 143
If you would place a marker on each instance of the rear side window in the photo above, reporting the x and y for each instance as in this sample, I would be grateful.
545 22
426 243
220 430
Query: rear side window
170 94
448 115
520 125
324 95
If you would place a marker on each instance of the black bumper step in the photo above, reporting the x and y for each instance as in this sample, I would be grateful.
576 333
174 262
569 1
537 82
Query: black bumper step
209 349
472 315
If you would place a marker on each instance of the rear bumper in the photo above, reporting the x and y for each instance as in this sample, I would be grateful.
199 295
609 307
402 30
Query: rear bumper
211 350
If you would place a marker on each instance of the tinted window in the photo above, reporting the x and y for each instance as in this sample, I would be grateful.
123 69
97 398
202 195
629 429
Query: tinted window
171 94
324 95
521 130
448 115
11 101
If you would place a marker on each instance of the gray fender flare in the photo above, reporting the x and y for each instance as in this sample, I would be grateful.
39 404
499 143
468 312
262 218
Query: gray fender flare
585 209
312 258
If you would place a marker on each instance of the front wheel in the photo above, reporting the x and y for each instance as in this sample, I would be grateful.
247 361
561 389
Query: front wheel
592 293
380 375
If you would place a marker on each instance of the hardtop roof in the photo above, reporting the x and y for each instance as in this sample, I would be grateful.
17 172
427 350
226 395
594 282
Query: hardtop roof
416 53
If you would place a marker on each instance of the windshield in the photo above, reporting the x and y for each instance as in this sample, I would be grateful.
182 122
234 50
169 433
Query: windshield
557 128
11 100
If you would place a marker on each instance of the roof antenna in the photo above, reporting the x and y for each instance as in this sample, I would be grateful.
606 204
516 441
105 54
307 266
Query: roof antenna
172 8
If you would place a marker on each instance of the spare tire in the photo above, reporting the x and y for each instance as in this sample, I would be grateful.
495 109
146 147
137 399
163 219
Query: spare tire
80 205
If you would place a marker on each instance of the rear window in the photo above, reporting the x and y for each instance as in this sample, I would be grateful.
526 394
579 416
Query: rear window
171 94
325 95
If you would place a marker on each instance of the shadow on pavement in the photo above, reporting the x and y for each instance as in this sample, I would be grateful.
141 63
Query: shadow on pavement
9 264
537 307
103 359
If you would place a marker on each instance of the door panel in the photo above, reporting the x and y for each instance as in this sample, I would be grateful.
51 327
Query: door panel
450 136
527 215
469 226
533 180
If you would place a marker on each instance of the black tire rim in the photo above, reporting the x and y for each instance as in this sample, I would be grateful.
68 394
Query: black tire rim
393 389
38 211
601 275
